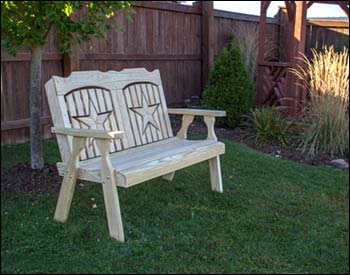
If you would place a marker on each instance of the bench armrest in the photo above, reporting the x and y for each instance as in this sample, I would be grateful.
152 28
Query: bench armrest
188 116
98 134
196 112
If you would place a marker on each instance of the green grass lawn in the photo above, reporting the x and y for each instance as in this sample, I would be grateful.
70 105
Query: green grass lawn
274 216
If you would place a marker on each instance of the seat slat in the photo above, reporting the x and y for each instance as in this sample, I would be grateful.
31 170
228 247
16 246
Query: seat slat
162 166
126 153
146 162
150 153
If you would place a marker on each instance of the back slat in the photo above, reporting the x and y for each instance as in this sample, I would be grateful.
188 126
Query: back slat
131 101
72 111
86 103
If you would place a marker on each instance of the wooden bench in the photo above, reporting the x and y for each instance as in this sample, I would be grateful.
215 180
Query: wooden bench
113 128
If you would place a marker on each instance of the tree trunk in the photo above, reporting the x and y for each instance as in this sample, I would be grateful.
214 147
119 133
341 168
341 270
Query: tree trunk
35 108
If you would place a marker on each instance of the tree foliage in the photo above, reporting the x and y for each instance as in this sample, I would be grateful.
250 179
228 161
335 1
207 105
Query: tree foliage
29 22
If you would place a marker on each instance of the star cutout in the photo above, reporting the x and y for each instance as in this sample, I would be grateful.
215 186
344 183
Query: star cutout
94 120
146 111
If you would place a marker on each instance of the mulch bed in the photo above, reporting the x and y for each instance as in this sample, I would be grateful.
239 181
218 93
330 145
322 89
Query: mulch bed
20 178
242 137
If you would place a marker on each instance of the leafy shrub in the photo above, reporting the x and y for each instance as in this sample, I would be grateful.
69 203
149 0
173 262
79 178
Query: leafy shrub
229 87
327 75
268 125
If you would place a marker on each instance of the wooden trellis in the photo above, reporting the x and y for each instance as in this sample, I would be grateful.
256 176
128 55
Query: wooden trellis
276 84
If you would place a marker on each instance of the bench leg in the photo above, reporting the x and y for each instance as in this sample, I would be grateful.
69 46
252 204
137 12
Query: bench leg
110 193
66 195
114 217
215 174
169 177
69 181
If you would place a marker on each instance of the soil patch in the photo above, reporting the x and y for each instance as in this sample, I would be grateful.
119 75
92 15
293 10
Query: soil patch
20 178
241 136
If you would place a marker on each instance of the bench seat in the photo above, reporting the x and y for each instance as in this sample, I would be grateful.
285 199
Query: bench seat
153 160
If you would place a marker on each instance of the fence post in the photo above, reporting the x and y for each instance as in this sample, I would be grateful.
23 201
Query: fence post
260 91
207 8
71 63
297 90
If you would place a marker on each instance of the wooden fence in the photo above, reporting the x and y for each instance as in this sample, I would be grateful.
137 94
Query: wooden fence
173 38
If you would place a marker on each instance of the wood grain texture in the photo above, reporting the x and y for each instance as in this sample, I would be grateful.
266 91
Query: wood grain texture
215 174
169 177
142 163
197 112
117 97
110 194
101 134
69 180
186 122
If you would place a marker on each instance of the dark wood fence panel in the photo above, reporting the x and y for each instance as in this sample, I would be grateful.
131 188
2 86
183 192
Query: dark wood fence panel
226 22
321 33
15 100
155 39
161 36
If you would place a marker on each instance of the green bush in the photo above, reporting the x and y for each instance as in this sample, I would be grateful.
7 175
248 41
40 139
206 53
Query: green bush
268 125
229 87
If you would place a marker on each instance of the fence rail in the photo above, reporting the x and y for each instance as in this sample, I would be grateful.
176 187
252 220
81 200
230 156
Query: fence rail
170 37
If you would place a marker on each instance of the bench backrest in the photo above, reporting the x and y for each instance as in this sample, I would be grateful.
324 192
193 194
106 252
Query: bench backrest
131 100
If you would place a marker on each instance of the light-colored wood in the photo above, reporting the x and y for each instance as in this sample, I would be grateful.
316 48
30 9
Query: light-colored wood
153 130
164 110
58 120
172 162
138 164
119 107
111 80
75 124
89 133
186 122
169 152
187 118
69 181
117 93
210 121
126 115
215 174
196 112
136 121
110 194
169 177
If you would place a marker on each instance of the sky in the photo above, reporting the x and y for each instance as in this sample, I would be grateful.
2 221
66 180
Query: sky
253 7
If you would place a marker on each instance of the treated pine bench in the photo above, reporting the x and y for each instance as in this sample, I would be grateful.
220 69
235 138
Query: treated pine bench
113 128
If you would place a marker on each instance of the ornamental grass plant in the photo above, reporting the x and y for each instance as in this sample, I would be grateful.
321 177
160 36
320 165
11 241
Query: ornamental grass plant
327 116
